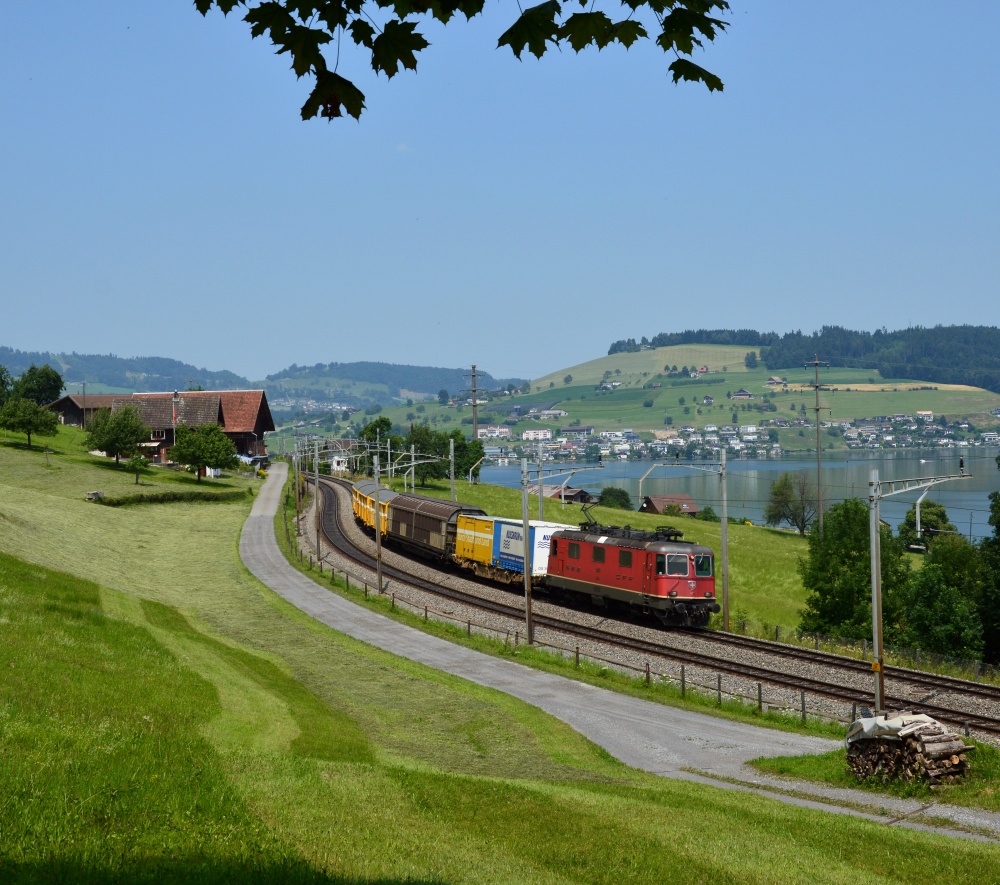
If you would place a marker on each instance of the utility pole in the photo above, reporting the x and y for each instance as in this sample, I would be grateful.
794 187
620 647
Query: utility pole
378 531
819 445
876 492
529 626
541 488
475 405
451 467
725 544
316 494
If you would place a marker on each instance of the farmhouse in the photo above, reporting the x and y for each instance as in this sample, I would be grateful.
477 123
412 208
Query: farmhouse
742 393
658 503
243 415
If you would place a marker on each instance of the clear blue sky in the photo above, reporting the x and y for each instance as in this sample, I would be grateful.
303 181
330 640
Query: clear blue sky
162 197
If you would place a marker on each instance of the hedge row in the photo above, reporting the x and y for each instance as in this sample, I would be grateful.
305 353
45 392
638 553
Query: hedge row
173 496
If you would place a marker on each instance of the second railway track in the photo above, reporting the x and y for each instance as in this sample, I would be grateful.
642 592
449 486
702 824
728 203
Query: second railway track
791 668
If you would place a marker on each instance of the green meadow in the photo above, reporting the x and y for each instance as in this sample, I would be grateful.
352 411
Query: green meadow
165 718
647 397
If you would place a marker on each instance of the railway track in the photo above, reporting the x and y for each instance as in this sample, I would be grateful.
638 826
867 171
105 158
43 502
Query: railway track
774 657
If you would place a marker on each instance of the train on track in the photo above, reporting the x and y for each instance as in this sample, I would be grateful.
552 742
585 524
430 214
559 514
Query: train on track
645 571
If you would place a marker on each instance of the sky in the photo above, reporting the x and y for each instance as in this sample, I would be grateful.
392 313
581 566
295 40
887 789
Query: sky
162 197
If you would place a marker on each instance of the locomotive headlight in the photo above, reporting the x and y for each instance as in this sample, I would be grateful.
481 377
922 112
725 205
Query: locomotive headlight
672 593
708 594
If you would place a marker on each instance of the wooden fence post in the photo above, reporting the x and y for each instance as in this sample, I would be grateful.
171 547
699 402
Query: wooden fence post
683 686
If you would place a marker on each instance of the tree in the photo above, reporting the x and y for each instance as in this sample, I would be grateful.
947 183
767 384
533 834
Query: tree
443 397
5 385
568 379
27 417
750 360
837 573
136 464
792 499
203 446
117 433
310 34
936 614
40 384
933 519
615 497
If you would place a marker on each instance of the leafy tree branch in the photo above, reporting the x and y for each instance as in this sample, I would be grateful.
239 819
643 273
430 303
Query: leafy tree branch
309 33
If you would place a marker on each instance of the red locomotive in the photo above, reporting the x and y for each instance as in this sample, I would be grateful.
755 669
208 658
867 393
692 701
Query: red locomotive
651 571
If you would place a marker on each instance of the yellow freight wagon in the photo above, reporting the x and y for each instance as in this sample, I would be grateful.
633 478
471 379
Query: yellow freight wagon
363 503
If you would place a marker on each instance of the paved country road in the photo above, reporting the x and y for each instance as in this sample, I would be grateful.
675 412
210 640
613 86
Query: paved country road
660 739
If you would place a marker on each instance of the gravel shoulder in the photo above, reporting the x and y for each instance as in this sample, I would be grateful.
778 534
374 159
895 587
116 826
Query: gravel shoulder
663 740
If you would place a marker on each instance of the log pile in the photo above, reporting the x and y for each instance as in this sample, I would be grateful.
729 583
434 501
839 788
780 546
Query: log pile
921 751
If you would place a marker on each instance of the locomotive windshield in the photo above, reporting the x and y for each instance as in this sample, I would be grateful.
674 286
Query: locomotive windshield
703 566
671 564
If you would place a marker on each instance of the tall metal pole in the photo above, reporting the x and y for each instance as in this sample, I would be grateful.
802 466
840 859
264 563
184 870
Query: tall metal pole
529 627
725 544
475 405
378 532
451 467
541 490
819 446
316 493
874 494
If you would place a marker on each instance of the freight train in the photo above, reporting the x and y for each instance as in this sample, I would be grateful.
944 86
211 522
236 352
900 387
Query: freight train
613 565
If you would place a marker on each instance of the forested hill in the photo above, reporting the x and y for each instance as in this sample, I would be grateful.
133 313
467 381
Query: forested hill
418 379
129 373
942 354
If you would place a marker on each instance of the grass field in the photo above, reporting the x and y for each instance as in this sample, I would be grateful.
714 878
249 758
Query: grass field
163 717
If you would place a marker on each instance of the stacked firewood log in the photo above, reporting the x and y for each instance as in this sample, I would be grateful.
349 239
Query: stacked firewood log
921 751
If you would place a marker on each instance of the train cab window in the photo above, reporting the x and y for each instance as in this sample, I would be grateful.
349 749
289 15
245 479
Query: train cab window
703 566
554 548
574 550
597 554
625 558
677 564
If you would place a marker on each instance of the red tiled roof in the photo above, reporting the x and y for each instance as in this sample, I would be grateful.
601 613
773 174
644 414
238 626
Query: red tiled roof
243 411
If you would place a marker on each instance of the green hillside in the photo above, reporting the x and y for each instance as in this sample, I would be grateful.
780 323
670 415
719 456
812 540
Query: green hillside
648 399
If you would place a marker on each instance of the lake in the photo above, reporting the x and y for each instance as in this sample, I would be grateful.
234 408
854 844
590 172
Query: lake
749 482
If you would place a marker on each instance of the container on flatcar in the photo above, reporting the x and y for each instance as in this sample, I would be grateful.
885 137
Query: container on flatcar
363 503
493 546
650 571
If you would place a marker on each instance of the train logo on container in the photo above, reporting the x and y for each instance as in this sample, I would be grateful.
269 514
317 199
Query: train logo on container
511 536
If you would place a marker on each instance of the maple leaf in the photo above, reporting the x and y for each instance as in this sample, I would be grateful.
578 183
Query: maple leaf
683 69
362 32
627 32
396 46
534 28
679 29
331 93
583 28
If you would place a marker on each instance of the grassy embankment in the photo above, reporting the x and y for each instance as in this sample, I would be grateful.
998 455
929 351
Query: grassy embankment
164 718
